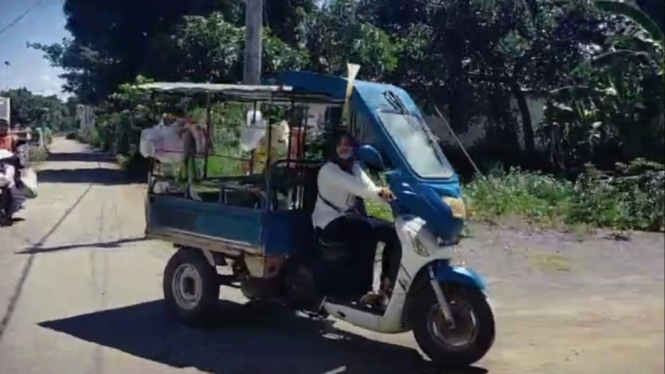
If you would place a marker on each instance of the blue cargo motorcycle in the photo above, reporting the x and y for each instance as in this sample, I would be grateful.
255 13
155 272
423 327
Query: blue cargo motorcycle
273 251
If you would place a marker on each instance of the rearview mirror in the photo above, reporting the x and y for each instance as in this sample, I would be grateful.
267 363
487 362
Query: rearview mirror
371 157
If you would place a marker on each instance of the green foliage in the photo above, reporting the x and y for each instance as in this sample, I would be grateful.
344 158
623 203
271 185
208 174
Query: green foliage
36 110
601 63
37 155
210 49
623 201
48 135
334 40
614 111
379 210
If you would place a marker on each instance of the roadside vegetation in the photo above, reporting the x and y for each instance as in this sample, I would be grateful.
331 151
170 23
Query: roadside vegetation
631 198
595 159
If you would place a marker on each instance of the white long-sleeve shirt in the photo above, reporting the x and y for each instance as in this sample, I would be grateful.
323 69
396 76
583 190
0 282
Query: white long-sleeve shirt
340 189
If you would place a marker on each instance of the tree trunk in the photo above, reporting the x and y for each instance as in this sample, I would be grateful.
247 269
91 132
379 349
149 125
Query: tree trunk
525 113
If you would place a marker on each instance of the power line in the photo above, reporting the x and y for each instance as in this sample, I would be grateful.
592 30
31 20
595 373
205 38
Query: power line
21 16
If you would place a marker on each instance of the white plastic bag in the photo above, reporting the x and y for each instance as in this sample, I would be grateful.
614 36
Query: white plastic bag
167 144
6 171
146 143
253 131
7 176
29 180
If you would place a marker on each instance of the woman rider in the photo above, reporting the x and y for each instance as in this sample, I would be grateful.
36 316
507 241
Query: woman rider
8 144
340 214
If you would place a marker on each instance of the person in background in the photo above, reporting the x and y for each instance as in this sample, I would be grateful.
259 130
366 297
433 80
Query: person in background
8 147
7 140
340 214
278 136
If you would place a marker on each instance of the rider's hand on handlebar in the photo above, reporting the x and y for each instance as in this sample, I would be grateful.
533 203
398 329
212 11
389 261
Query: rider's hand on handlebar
386 194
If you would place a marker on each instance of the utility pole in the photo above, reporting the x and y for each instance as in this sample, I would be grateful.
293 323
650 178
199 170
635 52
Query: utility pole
253 47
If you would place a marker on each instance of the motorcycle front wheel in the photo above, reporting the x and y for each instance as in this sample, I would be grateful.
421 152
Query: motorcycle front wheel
460 345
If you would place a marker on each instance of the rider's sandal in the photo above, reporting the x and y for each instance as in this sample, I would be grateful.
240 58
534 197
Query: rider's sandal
373 299
379 298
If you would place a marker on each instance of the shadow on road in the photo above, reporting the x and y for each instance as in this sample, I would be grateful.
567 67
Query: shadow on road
244 342
105 176
89 156
94 174
67 247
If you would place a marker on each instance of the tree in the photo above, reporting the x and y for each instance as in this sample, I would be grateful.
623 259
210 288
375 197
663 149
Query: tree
287 19
334 39
37 110
114 41
613 112
473 54
210 49
643 41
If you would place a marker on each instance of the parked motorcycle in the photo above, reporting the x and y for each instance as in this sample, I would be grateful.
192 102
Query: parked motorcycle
14 170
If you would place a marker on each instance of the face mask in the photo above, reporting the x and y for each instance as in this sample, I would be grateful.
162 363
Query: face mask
345 154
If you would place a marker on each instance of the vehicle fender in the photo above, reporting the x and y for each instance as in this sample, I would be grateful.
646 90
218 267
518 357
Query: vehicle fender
208 255
445 273
460 275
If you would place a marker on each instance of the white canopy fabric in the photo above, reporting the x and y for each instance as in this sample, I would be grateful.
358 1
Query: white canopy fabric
239 92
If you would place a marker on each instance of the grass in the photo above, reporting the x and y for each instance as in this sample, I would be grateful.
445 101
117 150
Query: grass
593 201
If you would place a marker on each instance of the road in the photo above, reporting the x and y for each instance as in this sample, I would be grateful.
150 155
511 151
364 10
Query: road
80 293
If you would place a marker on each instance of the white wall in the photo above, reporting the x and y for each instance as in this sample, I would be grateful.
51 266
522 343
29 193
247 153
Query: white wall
5 108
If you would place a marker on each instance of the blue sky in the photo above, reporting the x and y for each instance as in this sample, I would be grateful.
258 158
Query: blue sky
44 24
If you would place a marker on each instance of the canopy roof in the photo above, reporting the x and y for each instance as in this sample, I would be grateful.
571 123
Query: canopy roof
239 92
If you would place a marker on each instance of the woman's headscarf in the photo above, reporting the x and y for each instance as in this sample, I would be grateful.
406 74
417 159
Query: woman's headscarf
344 164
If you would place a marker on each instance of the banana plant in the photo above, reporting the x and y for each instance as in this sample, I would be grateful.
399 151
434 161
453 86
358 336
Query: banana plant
643 41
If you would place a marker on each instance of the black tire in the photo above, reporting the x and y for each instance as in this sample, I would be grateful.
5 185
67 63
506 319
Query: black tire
204 308
446 355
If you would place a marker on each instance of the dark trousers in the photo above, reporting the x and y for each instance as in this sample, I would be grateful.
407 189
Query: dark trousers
6 205
360 236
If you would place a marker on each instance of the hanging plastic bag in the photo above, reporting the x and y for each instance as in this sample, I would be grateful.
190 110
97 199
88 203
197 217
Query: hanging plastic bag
6 176
168 143
29 180
7 171
253 131
146 142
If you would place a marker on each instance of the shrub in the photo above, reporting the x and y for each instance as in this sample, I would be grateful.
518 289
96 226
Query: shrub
623 200
48 135
37 154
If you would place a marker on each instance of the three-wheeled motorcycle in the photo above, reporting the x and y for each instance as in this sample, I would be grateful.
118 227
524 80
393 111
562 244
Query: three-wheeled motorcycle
272 250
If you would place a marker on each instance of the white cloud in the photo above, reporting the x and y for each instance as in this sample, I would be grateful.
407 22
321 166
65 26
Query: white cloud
49 84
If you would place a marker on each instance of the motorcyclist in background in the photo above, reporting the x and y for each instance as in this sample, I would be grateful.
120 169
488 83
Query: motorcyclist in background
7 141
9 163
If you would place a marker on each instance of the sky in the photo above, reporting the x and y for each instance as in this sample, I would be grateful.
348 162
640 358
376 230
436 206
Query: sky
44 24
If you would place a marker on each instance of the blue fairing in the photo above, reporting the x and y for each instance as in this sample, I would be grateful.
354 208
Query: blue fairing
418 196
459 274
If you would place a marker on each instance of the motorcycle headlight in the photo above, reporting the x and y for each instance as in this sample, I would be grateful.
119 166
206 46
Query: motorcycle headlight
457 206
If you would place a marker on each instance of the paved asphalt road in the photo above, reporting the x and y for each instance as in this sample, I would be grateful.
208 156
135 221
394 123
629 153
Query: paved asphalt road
80 294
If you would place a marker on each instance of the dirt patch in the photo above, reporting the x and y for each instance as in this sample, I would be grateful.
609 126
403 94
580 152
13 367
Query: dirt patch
552 262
